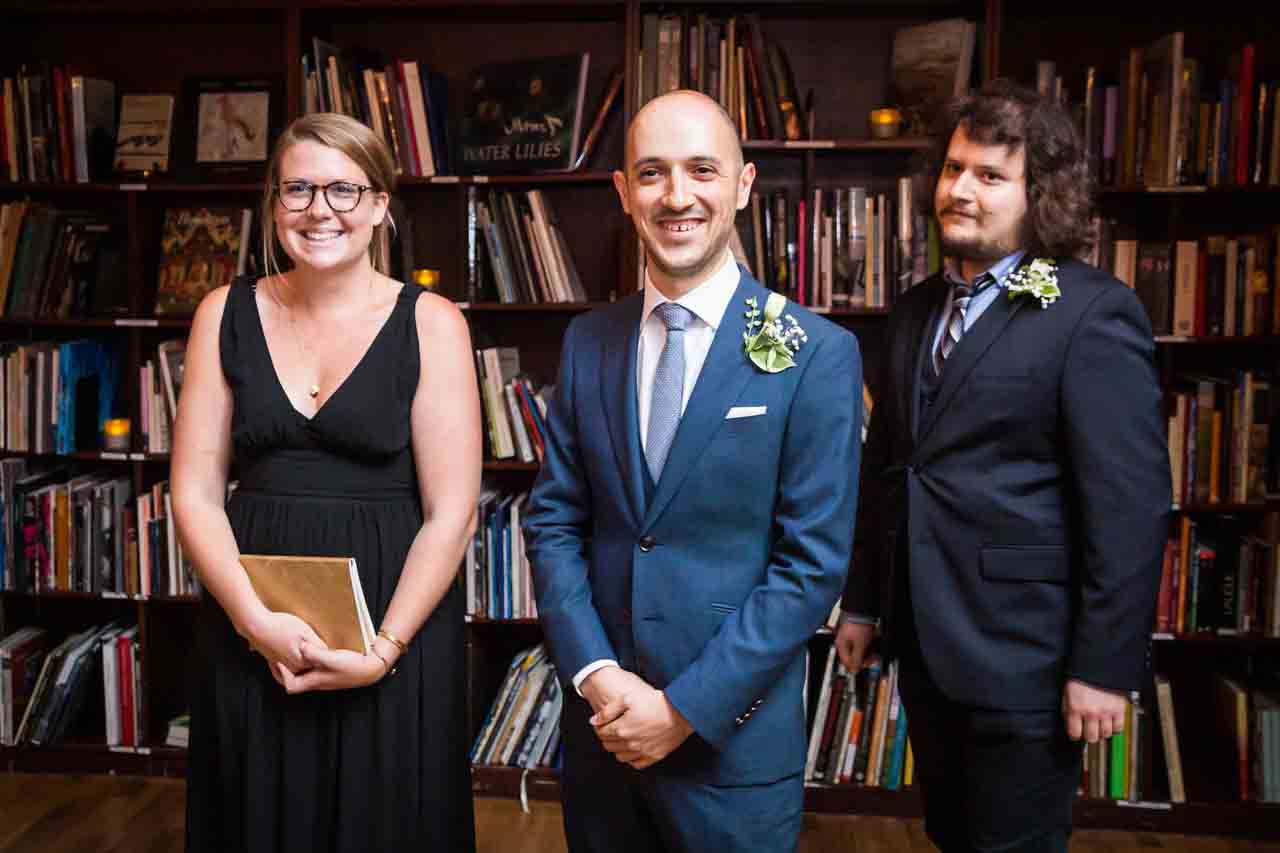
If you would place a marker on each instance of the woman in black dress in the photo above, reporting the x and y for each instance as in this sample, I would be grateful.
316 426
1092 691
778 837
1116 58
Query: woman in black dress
348 404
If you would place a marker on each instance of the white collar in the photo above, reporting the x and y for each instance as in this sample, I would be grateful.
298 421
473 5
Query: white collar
708 301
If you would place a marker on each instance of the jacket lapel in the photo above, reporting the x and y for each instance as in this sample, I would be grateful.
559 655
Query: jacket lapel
620 406
915 359
966 355
724 374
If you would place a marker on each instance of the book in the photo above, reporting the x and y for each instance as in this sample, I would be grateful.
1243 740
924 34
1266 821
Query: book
143 135
202 249
524 116
324 592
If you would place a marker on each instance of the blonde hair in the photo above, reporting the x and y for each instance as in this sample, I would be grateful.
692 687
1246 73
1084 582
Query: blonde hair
353 139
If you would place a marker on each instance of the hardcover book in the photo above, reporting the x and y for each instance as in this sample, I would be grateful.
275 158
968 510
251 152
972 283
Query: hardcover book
324 592
201 249
523 116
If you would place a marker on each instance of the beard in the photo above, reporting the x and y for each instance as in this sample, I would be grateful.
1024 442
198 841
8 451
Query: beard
984 247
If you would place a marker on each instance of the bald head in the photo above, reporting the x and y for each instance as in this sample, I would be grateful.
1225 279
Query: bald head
686 105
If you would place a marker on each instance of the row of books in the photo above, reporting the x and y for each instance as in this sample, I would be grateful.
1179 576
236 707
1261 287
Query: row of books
727 59
843 247
56 396
522 728
1112 767
160 381
517 116
1215 286
498 580
1216 577
88 533
1163 121
60 263
515 413
1248 719
525 257
404 102
55 125
859 730
47 693
1220 438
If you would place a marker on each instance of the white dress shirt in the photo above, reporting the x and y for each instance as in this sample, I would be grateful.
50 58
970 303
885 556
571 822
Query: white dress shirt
708 302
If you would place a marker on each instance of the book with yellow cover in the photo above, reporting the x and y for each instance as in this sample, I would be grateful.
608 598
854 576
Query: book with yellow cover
324 592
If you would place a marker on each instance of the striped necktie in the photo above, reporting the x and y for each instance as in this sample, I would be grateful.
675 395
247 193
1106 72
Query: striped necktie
961 295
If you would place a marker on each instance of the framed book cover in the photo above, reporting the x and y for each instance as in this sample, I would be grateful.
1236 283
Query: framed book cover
201 249
228 125
523 116
144 134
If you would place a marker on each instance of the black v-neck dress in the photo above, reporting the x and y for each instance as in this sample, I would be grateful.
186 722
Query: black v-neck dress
378 768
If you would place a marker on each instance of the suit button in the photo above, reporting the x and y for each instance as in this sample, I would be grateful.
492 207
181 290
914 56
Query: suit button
647 543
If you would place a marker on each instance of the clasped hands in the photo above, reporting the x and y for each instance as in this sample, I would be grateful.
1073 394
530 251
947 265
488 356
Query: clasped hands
300 661
1089 713
633 720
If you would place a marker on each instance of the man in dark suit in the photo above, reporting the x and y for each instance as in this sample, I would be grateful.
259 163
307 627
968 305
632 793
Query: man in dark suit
693 519
1016 488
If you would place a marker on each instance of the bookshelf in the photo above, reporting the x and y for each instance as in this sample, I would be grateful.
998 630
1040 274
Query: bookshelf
143 47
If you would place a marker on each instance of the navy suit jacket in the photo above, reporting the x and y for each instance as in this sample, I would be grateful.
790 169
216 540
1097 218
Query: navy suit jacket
710 588
1033 493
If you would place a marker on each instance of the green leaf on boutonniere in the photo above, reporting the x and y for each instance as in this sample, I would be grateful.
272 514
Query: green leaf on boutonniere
771 342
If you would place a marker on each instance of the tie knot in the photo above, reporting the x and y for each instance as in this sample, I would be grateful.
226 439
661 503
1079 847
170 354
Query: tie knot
675 317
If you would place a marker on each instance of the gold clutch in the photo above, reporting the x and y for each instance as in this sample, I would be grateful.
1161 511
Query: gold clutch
324 592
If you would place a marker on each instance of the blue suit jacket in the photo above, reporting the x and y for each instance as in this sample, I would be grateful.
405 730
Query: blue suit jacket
710 588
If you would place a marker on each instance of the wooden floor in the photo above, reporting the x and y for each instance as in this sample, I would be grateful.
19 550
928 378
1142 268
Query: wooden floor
121 814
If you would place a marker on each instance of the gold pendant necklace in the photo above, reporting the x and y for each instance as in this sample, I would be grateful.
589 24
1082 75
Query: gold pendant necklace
314 391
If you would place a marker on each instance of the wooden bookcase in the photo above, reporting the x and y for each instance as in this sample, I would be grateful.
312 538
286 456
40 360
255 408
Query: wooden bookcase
841 49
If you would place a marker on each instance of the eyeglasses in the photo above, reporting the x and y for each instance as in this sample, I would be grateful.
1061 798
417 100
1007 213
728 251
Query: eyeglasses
341 196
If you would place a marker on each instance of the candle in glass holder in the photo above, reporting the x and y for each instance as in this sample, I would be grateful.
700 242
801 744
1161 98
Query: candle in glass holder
885 123
115 435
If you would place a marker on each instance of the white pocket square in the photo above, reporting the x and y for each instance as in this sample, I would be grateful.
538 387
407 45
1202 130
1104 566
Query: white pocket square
745 412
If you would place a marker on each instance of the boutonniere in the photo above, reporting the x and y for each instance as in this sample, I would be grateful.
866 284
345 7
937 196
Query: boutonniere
771 341
1038 279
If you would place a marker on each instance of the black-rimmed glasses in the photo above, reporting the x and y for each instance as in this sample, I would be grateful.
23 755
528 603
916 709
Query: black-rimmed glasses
341 196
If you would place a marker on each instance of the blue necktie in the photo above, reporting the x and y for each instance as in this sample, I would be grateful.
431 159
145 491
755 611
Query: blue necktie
668 388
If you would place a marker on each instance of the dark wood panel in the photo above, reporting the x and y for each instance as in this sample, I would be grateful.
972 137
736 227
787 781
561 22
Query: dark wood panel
154 51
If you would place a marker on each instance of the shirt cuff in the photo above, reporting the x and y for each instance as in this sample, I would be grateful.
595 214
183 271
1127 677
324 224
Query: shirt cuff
847 618
587 670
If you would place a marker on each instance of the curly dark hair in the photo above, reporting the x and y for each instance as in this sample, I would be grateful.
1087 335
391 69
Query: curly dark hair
1059 182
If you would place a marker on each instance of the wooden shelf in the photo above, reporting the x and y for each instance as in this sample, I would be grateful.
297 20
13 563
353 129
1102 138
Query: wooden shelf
593 176
126 186
1191 190
90 456
1224 508
70 595
529 307
176 322
509 465
1221 341
901 145
1202 639
94 757
498 623
1245 819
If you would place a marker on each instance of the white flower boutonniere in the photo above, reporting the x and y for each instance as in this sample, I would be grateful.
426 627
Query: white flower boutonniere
771 342
1038 279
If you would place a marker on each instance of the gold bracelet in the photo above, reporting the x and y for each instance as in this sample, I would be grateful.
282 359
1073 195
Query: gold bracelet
387 668
392 639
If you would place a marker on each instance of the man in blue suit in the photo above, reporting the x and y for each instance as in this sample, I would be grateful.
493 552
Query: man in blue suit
692 522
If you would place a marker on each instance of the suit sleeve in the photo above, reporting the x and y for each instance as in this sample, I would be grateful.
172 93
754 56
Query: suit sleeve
862 592
556 528
1119 464
815 505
